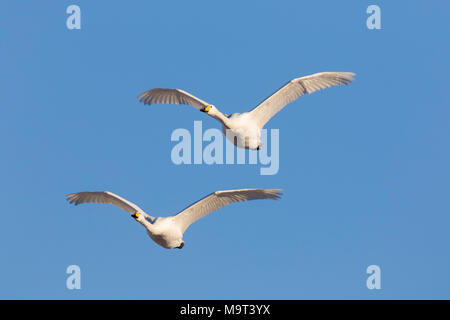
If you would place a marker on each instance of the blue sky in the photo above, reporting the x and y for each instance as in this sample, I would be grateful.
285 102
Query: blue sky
364 168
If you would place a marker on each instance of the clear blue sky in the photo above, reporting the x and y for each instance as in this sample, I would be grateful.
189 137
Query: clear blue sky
364 168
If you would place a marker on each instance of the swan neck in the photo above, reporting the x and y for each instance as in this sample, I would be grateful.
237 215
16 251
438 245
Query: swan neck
222 118
147 224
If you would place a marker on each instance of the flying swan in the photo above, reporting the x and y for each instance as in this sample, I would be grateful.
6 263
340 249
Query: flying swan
244 129
168 231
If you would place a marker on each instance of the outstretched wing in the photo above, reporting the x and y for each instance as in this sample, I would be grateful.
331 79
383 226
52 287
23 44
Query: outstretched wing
105 197
295 89
219 199
171 96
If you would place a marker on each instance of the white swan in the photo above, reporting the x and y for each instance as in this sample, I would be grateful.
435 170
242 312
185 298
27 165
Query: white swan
168 231
244 129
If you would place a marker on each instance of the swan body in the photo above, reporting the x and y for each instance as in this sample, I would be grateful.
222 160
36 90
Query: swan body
168 231
244 129
164 232
242 126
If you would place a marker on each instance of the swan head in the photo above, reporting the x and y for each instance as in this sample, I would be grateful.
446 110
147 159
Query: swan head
210 109
138 216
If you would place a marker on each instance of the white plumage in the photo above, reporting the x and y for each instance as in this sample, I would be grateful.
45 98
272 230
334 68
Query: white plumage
168 231
244 129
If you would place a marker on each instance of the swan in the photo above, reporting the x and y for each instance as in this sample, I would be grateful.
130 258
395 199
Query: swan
244 129
168 231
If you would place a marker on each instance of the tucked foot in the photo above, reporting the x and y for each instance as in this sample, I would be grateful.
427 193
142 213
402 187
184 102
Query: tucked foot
181 245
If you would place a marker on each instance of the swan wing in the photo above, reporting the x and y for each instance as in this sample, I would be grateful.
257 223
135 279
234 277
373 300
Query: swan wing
219 199
105 197
295 89
171 96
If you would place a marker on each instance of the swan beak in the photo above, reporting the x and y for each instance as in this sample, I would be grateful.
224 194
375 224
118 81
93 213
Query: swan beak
136 215
206 109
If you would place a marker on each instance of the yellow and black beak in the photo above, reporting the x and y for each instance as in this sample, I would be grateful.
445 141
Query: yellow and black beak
206 109
135 215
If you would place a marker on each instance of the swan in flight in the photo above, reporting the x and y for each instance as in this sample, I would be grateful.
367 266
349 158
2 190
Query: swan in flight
168 231
244 129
